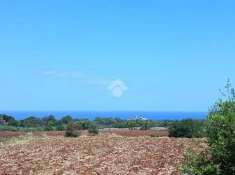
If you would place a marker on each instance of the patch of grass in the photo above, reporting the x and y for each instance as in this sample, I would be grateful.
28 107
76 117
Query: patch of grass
20 129
17 140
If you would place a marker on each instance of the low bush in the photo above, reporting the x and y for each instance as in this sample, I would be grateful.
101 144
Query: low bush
198 164
146 125
72 130
21 129
8 128
93 130
187 128
83 124
31 122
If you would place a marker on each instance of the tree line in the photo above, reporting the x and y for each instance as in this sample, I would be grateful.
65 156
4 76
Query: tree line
50 123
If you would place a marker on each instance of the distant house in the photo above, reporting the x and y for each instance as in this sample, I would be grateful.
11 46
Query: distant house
138 118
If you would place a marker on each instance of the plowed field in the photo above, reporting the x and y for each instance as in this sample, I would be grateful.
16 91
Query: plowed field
104 154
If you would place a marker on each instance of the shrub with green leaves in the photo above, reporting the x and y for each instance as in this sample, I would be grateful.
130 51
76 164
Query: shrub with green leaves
221 132
221 138
198 165
72 130
187 128
93 130
8 120
146 124
83 124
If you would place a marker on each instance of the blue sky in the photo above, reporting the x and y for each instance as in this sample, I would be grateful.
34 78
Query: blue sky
157 55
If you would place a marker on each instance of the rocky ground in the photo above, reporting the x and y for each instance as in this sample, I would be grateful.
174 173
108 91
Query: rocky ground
108 153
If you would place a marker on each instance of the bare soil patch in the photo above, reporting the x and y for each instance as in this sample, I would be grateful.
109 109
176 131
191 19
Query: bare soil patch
137 133
10 134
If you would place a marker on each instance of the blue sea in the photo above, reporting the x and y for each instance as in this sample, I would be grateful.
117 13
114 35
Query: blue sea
119 114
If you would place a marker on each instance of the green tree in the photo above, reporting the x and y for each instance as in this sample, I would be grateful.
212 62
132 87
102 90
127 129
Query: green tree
66 119
146 124
9 120
50 122
31 122
131 124
119 123
84 124
105 122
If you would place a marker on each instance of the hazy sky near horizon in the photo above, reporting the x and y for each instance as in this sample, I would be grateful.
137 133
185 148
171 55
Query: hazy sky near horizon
161 55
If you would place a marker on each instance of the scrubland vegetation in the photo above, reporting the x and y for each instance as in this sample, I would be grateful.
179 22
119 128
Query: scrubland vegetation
50 123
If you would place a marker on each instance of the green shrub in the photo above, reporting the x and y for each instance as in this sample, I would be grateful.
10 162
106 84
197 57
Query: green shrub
8 128
93 130
187 128
21 129
139 123
146 124
221 132
61 127
72 130
49 122
31 122
105 122
66 119
83 124
221 138
198 165
49 128
9 120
